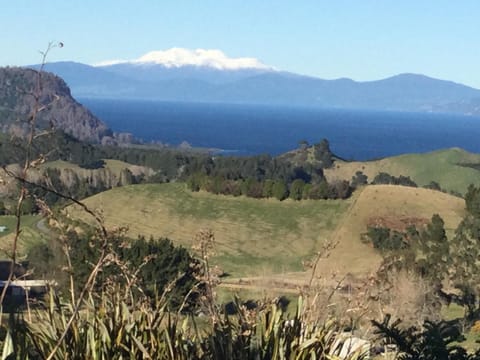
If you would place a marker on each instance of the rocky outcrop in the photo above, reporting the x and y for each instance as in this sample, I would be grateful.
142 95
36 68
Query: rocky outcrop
19 89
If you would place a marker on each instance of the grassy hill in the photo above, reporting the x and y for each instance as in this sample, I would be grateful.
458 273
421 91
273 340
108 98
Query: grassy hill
392 203
253 236
266 237
454 169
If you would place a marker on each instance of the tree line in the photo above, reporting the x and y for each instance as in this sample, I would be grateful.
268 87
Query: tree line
291 175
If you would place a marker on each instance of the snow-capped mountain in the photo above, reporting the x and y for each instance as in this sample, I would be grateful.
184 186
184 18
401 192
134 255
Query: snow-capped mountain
179 57
211 66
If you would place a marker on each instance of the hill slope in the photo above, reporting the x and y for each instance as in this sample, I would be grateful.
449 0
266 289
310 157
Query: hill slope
454 169
392 203
267 237
253 236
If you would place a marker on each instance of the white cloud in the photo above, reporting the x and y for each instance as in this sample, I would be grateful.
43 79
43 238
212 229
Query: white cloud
177 57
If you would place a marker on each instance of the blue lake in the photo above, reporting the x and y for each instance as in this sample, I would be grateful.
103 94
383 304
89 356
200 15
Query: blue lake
253 129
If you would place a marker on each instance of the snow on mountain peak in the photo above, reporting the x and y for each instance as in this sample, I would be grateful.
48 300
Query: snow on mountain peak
177 57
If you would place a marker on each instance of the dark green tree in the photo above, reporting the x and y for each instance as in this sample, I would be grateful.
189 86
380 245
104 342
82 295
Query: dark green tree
268 188
306 191
280 190
385 178
387 240
435 249
196 181
433 185
296 189
472 200
465 252
319 191
359 179
323 154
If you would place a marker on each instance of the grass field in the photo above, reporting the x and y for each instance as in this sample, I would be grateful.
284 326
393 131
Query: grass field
267 237
443 166
30 234
253 236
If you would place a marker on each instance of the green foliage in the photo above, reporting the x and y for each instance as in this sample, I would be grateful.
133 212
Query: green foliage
97 164
319 191
196 181
307 188
296 189
251 188
384 178
268 188
435 249
385 239
435 256
434 341
465 251
279 190
472 200
433 185
158 261
426 251
111 326
258 175
323 154
359 179
58 146
339 190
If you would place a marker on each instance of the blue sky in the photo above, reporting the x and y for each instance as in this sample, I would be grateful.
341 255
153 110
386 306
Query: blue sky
359 39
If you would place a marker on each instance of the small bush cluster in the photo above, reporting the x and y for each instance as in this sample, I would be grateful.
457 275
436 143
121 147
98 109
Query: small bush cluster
298 189
385 178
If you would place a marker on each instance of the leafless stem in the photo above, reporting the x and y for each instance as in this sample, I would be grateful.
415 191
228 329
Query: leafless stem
32 121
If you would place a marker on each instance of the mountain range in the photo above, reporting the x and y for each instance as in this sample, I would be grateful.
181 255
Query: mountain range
211 76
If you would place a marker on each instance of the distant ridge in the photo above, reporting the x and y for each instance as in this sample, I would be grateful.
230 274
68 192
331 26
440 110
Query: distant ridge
210 76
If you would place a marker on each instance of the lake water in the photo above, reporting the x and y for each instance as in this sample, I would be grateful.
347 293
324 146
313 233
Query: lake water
254 129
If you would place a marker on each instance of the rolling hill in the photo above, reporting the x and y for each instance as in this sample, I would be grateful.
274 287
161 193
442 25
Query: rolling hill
268 238
454 169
